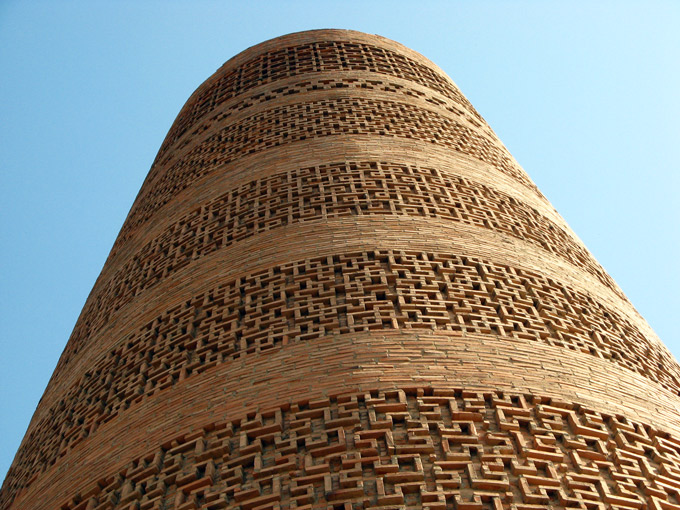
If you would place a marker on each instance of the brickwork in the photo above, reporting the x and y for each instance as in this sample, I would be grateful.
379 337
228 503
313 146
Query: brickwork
323 56
300 121
319 193
337 289
394 449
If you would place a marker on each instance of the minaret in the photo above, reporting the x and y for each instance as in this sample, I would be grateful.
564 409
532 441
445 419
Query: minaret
337 290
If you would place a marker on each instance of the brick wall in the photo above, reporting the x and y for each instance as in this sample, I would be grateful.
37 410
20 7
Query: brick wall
337 289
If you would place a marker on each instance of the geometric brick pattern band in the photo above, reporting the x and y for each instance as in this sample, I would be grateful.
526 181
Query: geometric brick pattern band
416 448
307 300
320 193
323 118
337 290
306 59
310 83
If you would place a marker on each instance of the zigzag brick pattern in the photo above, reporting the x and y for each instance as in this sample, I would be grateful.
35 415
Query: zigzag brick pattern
337 290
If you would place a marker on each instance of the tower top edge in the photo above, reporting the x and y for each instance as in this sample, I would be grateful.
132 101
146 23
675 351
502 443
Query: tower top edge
320 35
324 34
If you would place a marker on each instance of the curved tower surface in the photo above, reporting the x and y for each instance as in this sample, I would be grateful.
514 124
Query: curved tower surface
337 290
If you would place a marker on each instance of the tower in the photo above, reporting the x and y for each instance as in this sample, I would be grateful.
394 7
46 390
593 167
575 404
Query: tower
336 288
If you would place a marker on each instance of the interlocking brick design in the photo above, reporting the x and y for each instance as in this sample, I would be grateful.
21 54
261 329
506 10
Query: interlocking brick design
307 300
337 290
312 84
301 121
316 57
413 448
321 193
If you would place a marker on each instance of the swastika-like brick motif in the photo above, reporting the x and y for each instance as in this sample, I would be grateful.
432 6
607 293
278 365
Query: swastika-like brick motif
307 300
321 193
409 449
331 117
315 85
337 290
326 56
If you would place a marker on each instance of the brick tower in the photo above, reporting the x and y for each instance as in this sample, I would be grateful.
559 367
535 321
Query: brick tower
338 290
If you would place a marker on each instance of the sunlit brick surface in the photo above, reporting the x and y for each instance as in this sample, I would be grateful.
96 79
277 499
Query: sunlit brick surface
338 290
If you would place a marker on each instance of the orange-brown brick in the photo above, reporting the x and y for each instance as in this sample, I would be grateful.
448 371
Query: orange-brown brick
337 289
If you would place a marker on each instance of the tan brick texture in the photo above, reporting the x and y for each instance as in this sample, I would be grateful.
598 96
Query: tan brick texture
337 290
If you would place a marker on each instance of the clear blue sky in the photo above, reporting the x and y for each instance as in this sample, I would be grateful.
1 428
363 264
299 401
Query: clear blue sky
584 94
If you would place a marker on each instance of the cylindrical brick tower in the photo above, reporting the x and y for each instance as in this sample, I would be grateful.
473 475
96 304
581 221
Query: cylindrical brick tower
338 290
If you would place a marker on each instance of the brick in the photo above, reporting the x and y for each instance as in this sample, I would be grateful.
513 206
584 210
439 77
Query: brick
336 288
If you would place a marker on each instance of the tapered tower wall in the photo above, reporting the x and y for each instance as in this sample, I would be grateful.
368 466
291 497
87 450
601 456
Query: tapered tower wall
337 288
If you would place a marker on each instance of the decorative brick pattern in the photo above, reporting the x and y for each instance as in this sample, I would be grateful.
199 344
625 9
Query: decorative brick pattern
416 448
319 57
320 193
313 85
307 300
337 290
300 121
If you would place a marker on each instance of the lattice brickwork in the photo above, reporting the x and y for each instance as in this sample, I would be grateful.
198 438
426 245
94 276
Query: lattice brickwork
337 290
405 449
307 300
301 121
312 84
318 57
322 193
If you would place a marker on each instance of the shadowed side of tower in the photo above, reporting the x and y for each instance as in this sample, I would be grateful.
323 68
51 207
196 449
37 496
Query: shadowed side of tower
337 289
